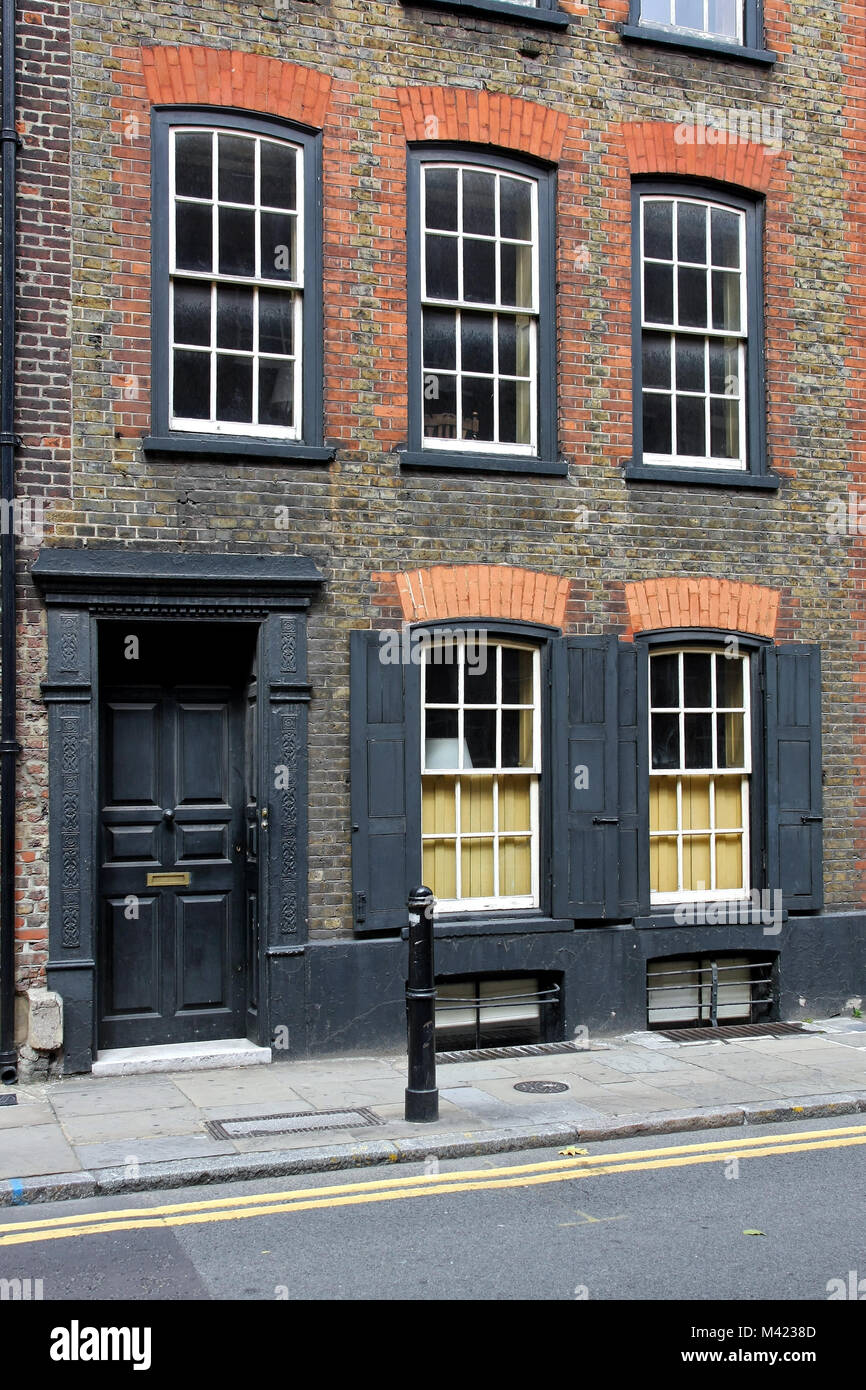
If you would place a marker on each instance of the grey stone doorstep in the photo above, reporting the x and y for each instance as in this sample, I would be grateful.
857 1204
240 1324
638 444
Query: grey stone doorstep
444 1145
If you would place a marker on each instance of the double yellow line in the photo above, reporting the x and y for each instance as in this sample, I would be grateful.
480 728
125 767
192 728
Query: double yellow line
428 1185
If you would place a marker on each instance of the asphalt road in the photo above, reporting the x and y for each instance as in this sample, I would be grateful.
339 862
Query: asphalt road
669 1223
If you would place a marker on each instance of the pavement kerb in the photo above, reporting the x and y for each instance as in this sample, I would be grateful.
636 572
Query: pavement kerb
192 1172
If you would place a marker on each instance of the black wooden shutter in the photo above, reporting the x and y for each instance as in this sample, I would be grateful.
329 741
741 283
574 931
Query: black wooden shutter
793 751
633 777
584 795
386 783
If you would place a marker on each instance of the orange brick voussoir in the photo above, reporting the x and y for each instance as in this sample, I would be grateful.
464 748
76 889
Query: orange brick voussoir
701 151
489 118
725 604
189 74
448 592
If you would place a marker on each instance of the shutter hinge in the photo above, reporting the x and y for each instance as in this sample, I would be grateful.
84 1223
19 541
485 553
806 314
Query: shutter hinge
360 907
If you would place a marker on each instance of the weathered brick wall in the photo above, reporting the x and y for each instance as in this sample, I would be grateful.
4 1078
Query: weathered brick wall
614 108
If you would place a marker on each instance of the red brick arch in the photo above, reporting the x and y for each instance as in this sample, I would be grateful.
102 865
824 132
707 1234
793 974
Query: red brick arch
703 602
482 118
479 591
190 75
662 147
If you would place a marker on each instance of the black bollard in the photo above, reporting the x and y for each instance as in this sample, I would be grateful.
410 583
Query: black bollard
422 1097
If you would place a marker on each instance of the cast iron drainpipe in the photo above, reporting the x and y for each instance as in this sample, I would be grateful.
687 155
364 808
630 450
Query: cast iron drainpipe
9 748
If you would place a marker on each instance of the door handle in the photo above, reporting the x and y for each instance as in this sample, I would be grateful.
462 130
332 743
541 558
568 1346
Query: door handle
811 820
168 816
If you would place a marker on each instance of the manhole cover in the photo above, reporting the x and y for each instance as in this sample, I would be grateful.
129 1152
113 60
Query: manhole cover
541 1088
296 1123
8 1100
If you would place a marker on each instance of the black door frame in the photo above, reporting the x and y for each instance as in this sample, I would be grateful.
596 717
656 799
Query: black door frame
79 588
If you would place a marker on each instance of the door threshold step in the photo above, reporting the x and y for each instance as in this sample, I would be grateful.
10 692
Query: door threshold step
193 1056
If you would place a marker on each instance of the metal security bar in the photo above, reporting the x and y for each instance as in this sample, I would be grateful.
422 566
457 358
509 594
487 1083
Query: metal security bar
480 1024
707 991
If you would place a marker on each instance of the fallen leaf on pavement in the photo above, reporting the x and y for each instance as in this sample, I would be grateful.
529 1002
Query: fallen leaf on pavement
572 1152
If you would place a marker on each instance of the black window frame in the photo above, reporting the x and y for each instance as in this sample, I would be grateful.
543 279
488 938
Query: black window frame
757 473
546 460
164 439
544 14
751 50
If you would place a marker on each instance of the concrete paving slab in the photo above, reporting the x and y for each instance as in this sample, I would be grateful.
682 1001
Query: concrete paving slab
225 1087
638 1062
138 1124
696 1093
24 1153
634 1097
456 1073
19 1116
474 1101
252 1109
109 1095
141 1151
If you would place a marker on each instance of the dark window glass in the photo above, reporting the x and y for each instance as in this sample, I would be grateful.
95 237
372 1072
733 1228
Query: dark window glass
726 300
234 317
698 730
724 367
441 723
665 740
441 199
440 406
279 231
725 237
477 407
237 179
729 682
697 680
193 165
276 322
515 209
479 203
691 426
476 333
479 731
441 267
692 291
235 389
692 233
442 678
193 249
730 745
479 271
279 176
509 432
690 364
192 385
724 428
665 681
192 310
516 275
276 393
479 682
657 360
517 683
658 236
656 424
440 339
237 242
658 293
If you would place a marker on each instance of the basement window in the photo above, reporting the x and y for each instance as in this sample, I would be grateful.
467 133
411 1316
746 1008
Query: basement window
708 991
494 1012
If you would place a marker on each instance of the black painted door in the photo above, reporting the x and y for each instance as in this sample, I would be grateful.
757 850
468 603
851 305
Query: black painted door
172 965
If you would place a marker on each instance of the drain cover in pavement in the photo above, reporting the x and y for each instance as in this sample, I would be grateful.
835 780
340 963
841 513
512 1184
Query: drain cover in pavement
8 1100
541 1088
298 1123
734 1030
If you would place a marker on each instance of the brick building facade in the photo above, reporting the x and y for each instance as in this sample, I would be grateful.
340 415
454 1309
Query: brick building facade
475 205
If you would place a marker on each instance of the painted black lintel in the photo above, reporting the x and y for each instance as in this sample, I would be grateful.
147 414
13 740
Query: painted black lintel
497 926
482 463
536 16
701 477
98 576
697 44
208 445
